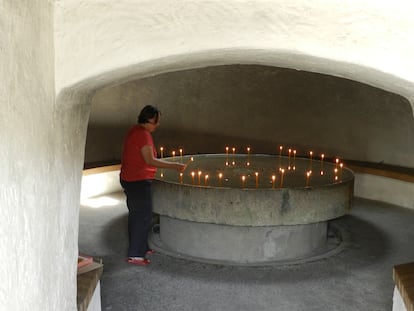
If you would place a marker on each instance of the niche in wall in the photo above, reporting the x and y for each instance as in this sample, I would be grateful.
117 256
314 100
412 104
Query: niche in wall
206 109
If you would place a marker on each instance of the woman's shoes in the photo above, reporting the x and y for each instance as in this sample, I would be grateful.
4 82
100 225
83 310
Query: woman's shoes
138 261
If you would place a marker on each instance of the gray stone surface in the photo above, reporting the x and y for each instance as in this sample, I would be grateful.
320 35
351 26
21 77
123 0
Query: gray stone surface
358 278
241 244
250 206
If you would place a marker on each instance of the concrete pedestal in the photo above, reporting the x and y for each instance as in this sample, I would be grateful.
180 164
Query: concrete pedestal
242 244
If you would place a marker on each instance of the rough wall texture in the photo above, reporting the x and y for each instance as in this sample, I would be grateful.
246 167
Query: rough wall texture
206 109
105 42
38 233
367 41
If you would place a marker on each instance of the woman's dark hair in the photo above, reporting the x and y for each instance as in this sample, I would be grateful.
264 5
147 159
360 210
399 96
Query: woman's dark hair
148 112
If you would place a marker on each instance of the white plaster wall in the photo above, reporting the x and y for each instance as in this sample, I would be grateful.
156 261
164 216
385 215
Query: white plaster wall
367 41
384 189
105 42
98 184
100 42
397 301
38 220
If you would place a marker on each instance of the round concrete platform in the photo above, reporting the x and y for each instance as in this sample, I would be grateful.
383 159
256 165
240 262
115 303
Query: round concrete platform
223 251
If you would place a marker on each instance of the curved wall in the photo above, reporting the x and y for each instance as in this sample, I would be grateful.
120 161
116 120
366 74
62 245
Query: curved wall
102 43
38 195
115 41
206 109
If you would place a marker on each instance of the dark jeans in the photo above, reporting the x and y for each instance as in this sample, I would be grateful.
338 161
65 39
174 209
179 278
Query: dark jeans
139 203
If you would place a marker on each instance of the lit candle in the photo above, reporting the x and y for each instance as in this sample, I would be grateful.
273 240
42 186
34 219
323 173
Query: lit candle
173 155
322 157
234 151
290 152
181 155
162 152
340 171
181 178
162 174
294 158
310 159
280 156
282 173
273 181
336 163
205 180
192 177
307 177
243 180
257 179
227 155
191 160
220 177
336 174
199 177
248 156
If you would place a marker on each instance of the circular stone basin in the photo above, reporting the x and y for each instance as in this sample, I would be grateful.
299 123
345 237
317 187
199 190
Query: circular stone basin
235 216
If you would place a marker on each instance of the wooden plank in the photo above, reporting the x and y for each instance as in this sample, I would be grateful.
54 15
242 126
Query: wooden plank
403 276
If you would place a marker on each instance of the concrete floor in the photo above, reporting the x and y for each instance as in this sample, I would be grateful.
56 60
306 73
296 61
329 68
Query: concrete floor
358 278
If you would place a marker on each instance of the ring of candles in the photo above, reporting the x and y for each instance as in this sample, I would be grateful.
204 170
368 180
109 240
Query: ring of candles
249 178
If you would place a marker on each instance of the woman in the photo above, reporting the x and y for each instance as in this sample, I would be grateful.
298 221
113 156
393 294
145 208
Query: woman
138 168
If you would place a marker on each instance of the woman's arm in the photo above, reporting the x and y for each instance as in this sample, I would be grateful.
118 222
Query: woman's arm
148 155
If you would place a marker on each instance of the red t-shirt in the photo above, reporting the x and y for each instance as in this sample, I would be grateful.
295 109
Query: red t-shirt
133 165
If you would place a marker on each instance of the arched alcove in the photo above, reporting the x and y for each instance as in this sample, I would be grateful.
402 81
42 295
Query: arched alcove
207 108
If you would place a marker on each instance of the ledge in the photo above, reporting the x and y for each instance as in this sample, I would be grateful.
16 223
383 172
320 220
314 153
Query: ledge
389 171
86 285
101 169
403 276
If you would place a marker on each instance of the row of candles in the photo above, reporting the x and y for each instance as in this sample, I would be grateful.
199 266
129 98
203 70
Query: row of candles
291 166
